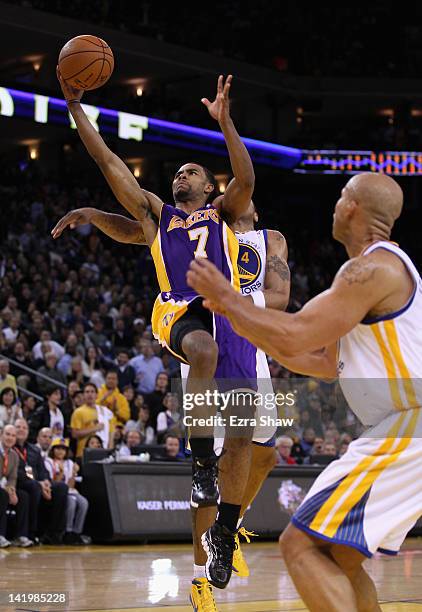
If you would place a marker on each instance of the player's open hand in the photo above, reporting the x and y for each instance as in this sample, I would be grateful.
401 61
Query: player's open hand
220 108
208 281
74 218
69 92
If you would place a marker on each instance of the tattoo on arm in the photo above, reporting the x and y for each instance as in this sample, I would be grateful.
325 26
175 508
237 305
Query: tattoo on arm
279 266
358 272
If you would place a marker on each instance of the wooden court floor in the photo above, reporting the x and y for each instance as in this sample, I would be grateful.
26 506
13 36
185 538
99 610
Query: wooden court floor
139 578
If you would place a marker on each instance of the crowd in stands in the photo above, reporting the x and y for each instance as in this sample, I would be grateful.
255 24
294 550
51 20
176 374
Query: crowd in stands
79 368
325 39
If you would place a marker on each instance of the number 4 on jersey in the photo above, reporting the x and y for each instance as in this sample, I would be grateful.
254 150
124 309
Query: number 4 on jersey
201 235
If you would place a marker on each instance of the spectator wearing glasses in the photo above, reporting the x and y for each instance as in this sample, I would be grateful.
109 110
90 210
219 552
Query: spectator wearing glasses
283 447
132 438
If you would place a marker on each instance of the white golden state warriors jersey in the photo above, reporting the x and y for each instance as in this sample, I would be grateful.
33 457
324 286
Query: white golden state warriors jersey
380 360
252 260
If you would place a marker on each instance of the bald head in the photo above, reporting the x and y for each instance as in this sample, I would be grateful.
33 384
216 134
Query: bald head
380 196
8 436
369 205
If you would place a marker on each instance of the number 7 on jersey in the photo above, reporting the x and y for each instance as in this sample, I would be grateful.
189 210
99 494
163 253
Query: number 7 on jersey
201 235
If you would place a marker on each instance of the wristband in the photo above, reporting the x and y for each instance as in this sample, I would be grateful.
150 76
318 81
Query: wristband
258 299
70 101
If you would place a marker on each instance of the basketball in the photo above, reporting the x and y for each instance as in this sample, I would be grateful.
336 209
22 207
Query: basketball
86 62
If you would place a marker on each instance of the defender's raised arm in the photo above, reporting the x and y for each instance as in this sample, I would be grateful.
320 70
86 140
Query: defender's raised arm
240 189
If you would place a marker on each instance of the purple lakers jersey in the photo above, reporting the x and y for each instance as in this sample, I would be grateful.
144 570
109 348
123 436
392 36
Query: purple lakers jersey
181 237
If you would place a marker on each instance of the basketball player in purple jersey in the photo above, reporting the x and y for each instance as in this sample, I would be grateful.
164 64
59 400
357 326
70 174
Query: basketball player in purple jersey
265 277
176 235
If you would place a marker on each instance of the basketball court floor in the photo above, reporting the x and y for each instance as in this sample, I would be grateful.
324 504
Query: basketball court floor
141 578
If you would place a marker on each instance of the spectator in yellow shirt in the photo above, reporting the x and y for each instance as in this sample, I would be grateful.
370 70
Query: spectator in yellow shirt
6 379
110 396
91 418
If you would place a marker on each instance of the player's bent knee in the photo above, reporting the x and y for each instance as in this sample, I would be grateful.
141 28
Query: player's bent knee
201 349
347 558
293 541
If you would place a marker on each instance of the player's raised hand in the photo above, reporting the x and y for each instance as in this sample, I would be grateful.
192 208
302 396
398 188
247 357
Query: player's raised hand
219 109
74 218
208 281
69 92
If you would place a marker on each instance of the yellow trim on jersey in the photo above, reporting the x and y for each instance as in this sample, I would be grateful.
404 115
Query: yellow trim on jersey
389 366
233 254
393 340
386 448
357 471
157 256
392 454
164 316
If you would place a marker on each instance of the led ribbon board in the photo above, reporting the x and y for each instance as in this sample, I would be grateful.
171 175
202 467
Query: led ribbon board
50 110
401 163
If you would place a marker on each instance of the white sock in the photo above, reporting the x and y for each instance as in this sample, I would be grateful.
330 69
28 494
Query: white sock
239 522
199 571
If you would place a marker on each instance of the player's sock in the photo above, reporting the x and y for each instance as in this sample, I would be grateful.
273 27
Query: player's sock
202 447
198 571
239 523
228 515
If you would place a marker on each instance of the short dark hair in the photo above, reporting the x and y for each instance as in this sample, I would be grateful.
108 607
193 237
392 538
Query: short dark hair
90 384
111 371
210 176
171 435
53 390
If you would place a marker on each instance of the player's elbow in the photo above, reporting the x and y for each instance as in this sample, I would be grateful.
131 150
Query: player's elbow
248 181
289 345
103 159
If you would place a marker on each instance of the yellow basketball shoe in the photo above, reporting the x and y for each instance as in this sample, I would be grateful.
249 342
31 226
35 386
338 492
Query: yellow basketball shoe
240 567
201 596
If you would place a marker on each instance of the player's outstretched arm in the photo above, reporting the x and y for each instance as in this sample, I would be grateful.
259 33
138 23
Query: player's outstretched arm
137 201
117 227
277 274
358 287
240 189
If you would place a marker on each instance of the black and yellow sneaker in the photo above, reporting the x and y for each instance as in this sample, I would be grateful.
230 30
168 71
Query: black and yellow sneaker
219 543
204 482
201 596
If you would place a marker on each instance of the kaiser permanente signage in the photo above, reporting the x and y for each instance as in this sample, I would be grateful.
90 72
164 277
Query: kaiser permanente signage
127 126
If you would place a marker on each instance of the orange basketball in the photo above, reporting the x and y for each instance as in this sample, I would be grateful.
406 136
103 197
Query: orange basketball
86 62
